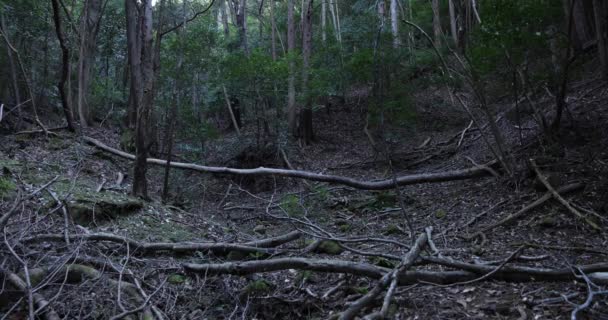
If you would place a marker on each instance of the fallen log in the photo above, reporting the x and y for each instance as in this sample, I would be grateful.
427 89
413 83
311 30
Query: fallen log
462 174
510 274
141 248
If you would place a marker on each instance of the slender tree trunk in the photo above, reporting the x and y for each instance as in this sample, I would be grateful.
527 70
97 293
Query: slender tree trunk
241 21
436 23
134 57
273 32
14 75
334 21
142 129
172 119
323 20
338 20
395 24
88 33
65 66
306 118
224 18
599 14
291 45
453 23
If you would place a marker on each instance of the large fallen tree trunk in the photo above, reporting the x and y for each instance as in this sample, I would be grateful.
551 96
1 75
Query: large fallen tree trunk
462 174
511 274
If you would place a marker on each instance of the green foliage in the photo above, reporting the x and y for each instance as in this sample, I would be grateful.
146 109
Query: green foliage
521 28
176 279
6 186
291 205
257 287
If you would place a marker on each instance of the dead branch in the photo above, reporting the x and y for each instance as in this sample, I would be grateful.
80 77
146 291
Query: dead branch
390 278
565 189
559 198
386 184
143 248
467 272
4 219
591 293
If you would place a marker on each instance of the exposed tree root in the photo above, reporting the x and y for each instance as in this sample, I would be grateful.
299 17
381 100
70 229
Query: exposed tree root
469 173
39 300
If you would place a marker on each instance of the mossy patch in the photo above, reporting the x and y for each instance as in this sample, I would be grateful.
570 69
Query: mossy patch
176 279
304 276
7 187
9 165
329 247
382 262
89 207
392 229
440 214
257 287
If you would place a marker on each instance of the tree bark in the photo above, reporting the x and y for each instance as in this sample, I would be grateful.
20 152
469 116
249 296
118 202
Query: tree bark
91 17
143 76
14 76
241 22
224 18
323 20
306 117
273 32
395 24
453 22
599 14
436 23
65 66
291 87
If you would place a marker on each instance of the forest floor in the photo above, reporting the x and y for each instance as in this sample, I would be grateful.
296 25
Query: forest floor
221 208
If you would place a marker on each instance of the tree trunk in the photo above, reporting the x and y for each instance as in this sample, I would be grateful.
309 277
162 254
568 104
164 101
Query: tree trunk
65 66
291 46
306 117
172 119
436 23
395 24
145 98
241 21
14 76
599 14
134 57
453 22
323 20
91 17
224 18
273 33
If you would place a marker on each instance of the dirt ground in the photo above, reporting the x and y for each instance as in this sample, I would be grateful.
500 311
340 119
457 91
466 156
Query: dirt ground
233 209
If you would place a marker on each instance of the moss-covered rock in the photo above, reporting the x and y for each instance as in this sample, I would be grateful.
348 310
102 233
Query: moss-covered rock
329 247
88 207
